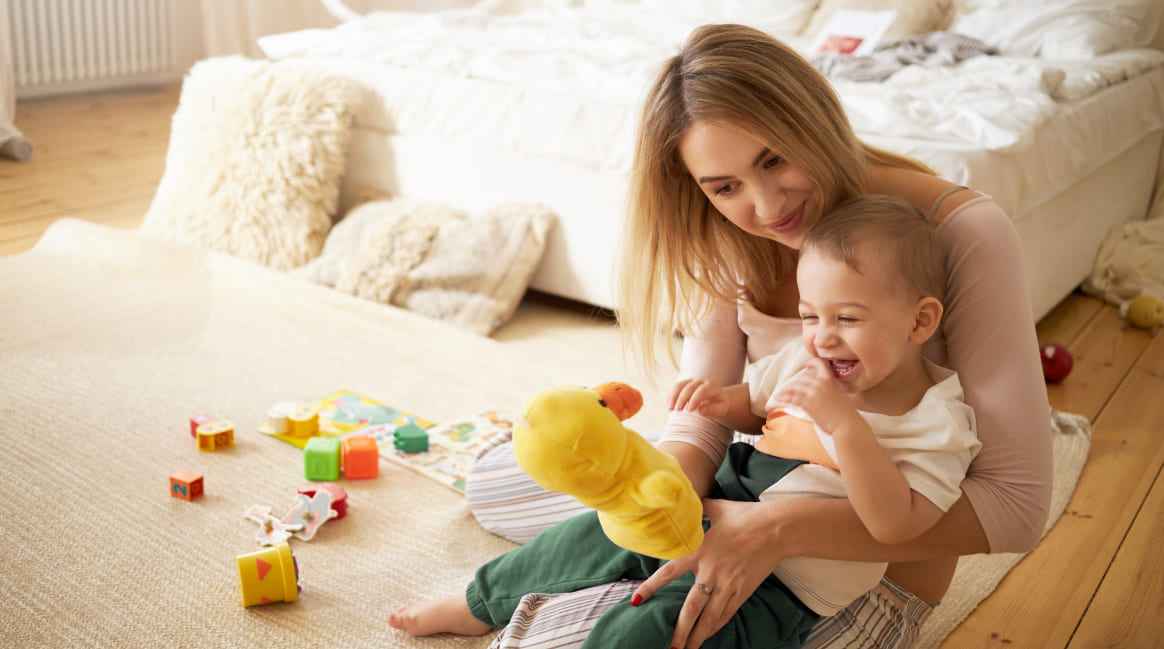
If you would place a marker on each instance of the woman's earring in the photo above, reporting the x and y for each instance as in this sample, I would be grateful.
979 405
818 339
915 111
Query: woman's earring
723 218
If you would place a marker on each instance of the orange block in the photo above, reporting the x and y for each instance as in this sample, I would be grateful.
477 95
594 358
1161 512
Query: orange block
361 457
186 484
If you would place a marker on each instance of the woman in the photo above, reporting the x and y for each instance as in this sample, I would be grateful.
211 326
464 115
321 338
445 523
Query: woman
741 148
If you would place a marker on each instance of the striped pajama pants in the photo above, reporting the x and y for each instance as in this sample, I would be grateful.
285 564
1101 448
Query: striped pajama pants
509 504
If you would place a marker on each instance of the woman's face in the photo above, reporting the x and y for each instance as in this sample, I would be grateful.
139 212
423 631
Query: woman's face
755 188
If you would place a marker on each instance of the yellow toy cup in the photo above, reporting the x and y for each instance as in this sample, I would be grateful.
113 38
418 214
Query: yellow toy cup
268 575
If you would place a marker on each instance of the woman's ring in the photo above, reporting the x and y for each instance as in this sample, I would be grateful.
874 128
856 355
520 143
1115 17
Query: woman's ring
703 588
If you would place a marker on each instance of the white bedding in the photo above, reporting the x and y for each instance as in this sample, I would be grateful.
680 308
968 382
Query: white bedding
566 84
547 102
600 58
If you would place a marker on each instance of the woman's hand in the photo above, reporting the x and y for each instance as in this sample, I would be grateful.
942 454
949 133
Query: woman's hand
736 556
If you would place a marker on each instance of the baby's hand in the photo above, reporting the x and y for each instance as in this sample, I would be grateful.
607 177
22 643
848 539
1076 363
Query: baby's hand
701 396
817 393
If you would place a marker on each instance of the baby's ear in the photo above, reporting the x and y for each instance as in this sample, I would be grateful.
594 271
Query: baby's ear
927 317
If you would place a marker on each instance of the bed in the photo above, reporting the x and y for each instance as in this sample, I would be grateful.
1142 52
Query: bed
484 105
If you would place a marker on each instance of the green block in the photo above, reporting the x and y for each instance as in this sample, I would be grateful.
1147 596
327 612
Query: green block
410 438
321 459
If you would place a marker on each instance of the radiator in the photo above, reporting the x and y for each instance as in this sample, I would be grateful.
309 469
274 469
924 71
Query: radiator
85 44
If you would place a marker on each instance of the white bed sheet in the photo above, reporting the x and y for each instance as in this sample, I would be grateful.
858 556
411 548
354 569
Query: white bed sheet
456 112
566 84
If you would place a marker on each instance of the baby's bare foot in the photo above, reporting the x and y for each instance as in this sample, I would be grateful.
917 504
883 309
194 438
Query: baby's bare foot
446 615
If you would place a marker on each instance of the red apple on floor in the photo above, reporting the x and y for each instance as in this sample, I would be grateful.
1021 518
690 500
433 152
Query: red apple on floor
1057 362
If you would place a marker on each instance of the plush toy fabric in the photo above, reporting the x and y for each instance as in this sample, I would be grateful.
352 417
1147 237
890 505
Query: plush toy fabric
576 444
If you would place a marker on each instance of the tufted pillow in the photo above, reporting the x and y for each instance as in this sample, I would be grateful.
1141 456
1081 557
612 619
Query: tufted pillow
470 270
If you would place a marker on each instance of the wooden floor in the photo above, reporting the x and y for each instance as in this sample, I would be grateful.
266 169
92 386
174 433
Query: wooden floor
1097 580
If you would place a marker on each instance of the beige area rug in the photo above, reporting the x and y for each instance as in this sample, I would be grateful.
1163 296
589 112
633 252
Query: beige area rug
109 344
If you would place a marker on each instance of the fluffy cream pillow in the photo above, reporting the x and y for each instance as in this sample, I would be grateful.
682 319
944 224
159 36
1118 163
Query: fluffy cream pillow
256 152
435 259
914 17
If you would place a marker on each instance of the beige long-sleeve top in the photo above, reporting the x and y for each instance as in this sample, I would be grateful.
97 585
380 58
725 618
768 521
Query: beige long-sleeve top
987 336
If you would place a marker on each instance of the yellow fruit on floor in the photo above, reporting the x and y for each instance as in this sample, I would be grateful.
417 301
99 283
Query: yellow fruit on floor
1146 312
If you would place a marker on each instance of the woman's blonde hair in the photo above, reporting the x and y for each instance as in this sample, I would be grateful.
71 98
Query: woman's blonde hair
679 256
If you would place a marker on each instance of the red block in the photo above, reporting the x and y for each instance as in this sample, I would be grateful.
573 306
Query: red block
186 484
361 457
198 420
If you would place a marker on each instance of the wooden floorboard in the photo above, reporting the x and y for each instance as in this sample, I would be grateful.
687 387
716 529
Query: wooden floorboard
1043 598
1128 609
1096 580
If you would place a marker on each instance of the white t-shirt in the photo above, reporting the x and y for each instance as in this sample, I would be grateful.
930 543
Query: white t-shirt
932 446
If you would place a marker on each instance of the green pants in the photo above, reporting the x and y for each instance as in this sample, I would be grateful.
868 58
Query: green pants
577 554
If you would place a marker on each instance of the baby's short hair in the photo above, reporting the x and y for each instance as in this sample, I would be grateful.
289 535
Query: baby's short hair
903 236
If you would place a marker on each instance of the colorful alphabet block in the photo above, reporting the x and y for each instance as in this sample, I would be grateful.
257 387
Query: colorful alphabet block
321 459
410 438
361 457
186 484
216 435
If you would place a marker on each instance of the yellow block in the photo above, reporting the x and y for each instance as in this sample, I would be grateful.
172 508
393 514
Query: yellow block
215 435
304 422
268 575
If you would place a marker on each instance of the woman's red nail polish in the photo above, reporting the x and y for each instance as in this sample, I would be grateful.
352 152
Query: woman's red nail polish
636 600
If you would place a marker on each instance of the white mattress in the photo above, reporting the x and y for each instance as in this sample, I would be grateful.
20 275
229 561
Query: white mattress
566 85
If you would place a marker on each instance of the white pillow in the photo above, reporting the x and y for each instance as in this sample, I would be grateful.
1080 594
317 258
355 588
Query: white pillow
778 17
1055 29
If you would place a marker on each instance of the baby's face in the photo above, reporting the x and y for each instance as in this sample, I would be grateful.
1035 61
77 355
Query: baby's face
858 322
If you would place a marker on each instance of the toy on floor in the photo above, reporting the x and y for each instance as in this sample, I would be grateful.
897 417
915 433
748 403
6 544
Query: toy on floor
576 444
1146 312
311 509
304 422
267 575
279 417
339 497
410 438
215 435
186 484
198 420
360 457
1057 362
321 459
272 531
309 513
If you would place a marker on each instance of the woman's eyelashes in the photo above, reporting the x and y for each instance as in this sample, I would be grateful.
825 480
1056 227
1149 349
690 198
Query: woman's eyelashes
727 189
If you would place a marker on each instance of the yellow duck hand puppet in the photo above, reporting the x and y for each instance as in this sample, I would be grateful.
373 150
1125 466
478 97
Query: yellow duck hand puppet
576 444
